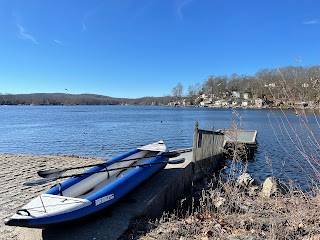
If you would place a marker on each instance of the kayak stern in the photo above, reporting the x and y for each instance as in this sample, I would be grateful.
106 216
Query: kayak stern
17 222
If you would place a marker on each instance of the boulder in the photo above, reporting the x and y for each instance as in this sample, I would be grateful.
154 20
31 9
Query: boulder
245 180
272 186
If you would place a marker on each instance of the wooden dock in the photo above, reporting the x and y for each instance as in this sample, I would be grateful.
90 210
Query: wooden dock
236 138
248 137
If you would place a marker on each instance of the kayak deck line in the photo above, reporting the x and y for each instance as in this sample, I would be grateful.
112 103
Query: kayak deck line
97 187
51 202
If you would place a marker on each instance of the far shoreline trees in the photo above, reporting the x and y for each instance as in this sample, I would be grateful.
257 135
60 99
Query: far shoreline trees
302 84
78 99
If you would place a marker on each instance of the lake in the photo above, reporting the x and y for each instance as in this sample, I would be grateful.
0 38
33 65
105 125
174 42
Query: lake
106 131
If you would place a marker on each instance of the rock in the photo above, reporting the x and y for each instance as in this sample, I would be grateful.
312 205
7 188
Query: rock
272 186
245 180
219 201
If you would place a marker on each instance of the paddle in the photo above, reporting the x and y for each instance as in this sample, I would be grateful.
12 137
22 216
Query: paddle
59 171
47 180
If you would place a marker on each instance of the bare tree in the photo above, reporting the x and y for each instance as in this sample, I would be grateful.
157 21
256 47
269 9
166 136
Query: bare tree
193 92
209 85
177 91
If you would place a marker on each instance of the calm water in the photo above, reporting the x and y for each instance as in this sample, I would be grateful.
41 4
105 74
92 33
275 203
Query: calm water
106 131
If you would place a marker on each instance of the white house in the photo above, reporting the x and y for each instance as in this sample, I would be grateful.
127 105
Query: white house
218 103
246 96
224 103
235 94
246 103
258 102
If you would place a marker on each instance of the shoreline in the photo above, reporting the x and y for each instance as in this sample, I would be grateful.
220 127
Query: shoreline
191 106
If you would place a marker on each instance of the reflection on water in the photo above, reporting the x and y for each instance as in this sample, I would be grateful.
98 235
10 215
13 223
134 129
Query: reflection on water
106 131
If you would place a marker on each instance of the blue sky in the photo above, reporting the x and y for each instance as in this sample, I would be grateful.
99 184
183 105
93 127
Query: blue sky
135 48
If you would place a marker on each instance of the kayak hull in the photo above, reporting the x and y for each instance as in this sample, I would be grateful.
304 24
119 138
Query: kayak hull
59 204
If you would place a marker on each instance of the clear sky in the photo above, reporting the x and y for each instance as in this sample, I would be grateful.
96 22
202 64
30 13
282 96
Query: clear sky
135 48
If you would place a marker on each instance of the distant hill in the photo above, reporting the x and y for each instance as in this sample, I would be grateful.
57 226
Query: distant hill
78 99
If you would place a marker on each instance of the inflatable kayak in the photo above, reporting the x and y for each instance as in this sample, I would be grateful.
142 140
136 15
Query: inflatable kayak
93 190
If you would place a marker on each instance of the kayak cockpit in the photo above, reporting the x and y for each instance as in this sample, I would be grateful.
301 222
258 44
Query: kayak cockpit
85 186
92 190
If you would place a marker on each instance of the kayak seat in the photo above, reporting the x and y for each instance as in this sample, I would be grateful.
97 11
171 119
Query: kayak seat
108 181
90 183
88 191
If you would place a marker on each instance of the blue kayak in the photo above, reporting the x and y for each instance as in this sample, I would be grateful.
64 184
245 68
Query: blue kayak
82 195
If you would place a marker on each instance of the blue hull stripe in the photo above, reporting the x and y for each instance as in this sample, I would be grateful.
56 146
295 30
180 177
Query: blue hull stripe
106 196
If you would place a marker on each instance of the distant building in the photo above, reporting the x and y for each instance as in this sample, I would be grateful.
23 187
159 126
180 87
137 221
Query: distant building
270 85
236 102
258 102
218 102
246 103
235 94
226 94
225 103
205 96
205 103
246 96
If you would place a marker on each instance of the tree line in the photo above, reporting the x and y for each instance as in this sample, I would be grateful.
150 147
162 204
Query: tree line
292 82
77 99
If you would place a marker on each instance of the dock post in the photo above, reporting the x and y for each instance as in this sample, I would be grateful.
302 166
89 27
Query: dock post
213 157
194 157
195 143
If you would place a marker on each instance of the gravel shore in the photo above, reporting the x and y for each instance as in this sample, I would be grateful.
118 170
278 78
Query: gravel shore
18 169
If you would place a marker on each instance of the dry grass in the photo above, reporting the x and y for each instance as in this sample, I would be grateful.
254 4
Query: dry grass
228 211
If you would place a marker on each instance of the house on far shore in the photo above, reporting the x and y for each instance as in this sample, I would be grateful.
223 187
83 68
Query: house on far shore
246 103
174 104
235 94
246 95
225 103
205 103
218 102
236 102
206 97
258 102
